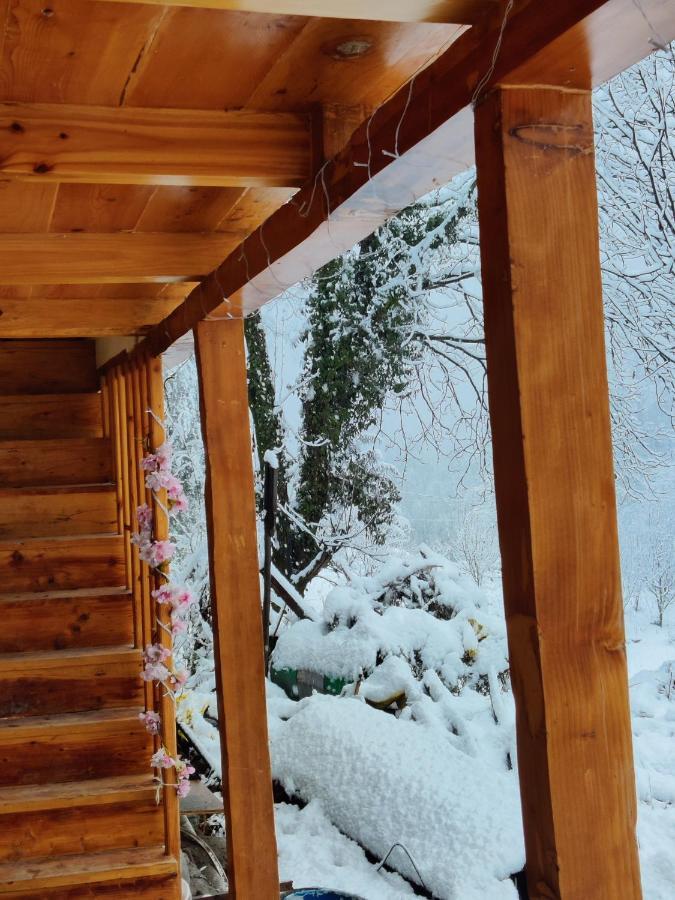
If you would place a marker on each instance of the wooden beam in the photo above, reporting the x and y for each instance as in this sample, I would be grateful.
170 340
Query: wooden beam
416 141
460 12
69 318
108 258
554 483
235 599
124 145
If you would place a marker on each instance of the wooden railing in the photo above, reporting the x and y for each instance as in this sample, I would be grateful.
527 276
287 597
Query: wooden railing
133 396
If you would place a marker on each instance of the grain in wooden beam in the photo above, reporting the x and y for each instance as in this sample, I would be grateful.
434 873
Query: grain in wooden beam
71 318
460 12
235 598
123 145
554 482
416 141
108 258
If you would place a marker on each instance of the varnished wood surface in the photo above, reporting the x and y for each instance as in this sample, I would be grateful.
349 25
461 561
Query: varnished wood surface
113 145
554 482
57 511
65 681
55 462
85 258
78 619
417 140
81 56
33 367
62 563
73 747
79 317
235 598
99 868
54 415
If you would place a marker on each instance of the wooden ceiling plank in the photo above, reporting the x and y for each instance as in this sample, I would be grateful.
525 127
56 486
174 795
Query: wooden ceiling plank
188 208
416 141
73 51
459 12
99 207
110 258
112 145
78 317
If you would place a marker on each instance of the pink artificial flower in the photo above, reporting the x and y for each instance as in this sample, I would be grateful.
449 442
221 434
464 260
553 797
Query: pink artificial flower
163 551
183 768
182 600
144 518
164 594
183 788
163 456
157 480
154 653
179 678
178 504
156 672
149 463
144 545
178 625
157 553
162 760
151 720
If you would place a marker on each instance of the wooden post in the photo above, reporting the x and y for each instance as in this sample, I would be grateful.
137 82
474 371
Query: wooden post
235 598
555 491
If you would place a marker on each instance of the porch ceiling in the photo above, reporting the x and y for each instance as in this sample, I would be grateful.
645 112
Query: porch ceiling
126 129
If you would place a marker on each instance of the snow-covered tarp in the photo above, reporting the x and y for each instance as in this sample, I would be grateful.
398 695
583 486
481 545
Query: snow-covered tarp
384 780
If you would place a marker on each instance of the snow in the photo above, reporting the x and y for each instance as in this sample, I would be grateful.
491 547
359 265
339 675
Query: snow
384 780
434 775
313 853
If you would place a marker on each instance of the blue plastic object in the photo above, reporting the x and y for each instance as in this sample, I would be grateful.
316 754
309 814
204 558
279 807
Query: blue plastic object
318 894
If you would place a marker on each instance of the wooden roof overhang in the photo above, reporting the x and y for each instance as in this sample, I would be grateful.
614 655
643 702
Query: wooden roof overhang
143 143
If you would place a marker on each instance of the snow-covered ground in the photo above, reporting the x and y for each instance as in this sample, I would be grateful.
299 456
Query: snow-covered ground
437 776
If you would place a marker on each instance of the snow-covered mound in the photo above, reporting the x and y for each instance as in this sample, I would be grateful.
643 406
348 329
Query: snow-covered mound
384 780
418 607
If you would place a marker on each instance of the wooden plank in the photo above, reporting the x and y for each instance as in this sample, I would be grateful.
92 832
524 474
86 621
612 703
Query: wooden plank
57 511
59 622
125 145
415 141
96 317
75 51
65 681
87 869
555 491
55 462
457 11
50 415
106 826
42 797
101 258
62 564
235 597
47 367
73 747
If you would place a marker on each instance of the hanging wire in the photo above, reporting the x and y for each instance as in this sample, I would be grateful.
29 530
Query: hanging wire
495 56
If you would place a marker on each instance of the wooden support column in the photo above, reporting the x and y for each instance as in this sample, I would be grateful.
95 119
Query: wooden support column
235 598
555 491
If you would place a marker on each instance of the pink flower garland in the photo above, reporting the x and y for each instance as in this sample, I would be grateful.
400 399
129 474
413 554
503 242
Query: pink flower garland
157 554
